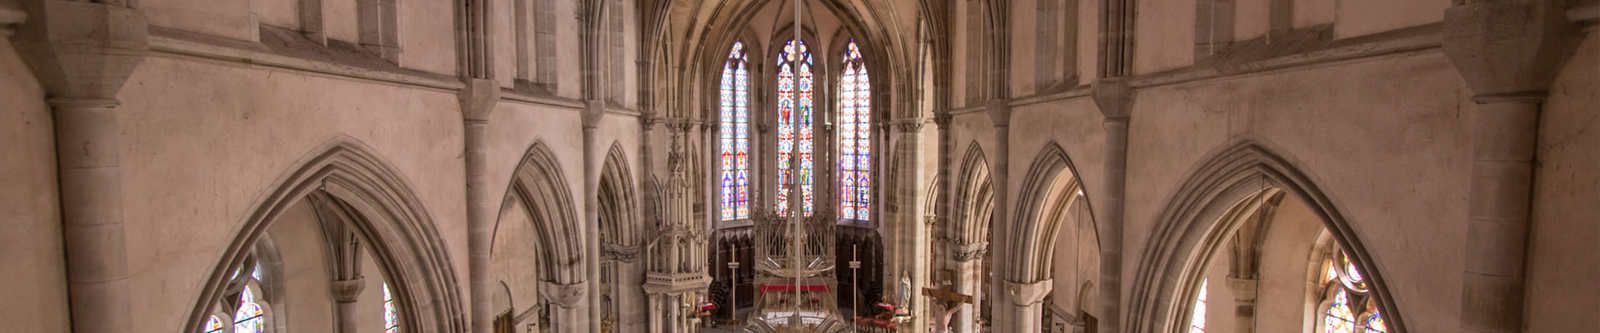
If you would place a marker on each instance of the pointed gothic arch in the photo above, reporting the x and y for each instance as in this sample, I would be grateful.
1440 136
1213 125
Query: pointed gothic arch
1035 229
402 234
539 185
618 204
1195 219
974 201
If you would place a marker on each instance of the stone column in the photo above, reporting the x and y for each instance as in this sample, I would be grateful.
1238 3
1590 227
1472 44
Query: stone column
912 232
478 100
83 52
655 313
1028 302
1000 114
593 160
630 297
967 258
345 293
1508 52
566 305
1115 100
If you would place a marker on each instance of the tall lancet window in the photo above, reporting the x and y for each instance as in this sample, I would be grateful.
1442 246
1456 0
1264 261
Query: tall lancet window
794 136
735 154
855 136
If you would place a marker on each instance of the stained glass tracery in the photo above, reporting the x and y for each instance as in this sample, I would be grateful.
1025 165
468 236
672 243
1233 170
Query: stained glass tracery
735 135
214 325
1375 323
855 136
795 100
248 319
1350 300
391 318
1339 319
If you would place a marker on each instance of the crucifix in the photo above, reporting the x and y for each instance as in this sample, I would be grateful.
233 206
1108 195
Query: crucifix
950 300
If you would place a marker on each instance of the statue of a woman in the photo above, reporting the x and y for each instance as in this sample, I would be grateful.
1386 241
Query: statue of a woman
905 290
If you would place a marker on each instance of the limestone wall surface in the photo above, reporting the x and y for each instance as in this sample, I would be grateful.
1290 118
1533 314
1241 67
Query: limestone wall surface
1563 251
30 220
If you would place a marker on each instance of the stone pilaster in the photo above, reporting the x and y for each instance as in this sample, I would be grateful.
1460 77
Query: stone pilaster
83 53
1000 114
478 100
913 233
593 159
1115 100
1508 52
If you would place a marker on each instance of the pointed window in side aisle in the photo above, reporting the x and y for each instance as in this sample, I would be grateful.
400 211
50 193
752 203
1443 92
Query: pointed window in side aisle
1350 307
855 136
734 153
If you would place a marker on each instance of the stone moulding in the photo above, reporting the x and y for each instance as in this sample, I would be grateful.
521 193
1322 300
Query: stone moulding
401 231
1029 240
1220 180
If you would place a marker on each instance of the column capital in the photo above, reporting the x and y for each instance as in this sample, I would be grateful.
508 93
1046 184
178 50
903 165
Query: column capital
566 296
1114 97
478 99
648 120
593 111
1508 47
80 49
1030 293
969 252
346 291
909 125
623 253
999 112
942 119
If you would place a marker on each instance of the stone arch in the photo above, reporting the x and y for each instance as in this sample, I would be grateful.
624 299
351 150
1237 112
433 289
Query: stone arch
1196 219
402 233
974 201
539 185
618 204
1035 231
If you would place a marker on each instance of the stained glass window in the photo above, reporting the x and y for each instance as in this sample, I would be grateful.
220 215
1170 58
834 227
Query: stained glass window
795 96
855 136
248 319
391 319
1375 323
1198 324
1339 319
735 135
1350 297
214 325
